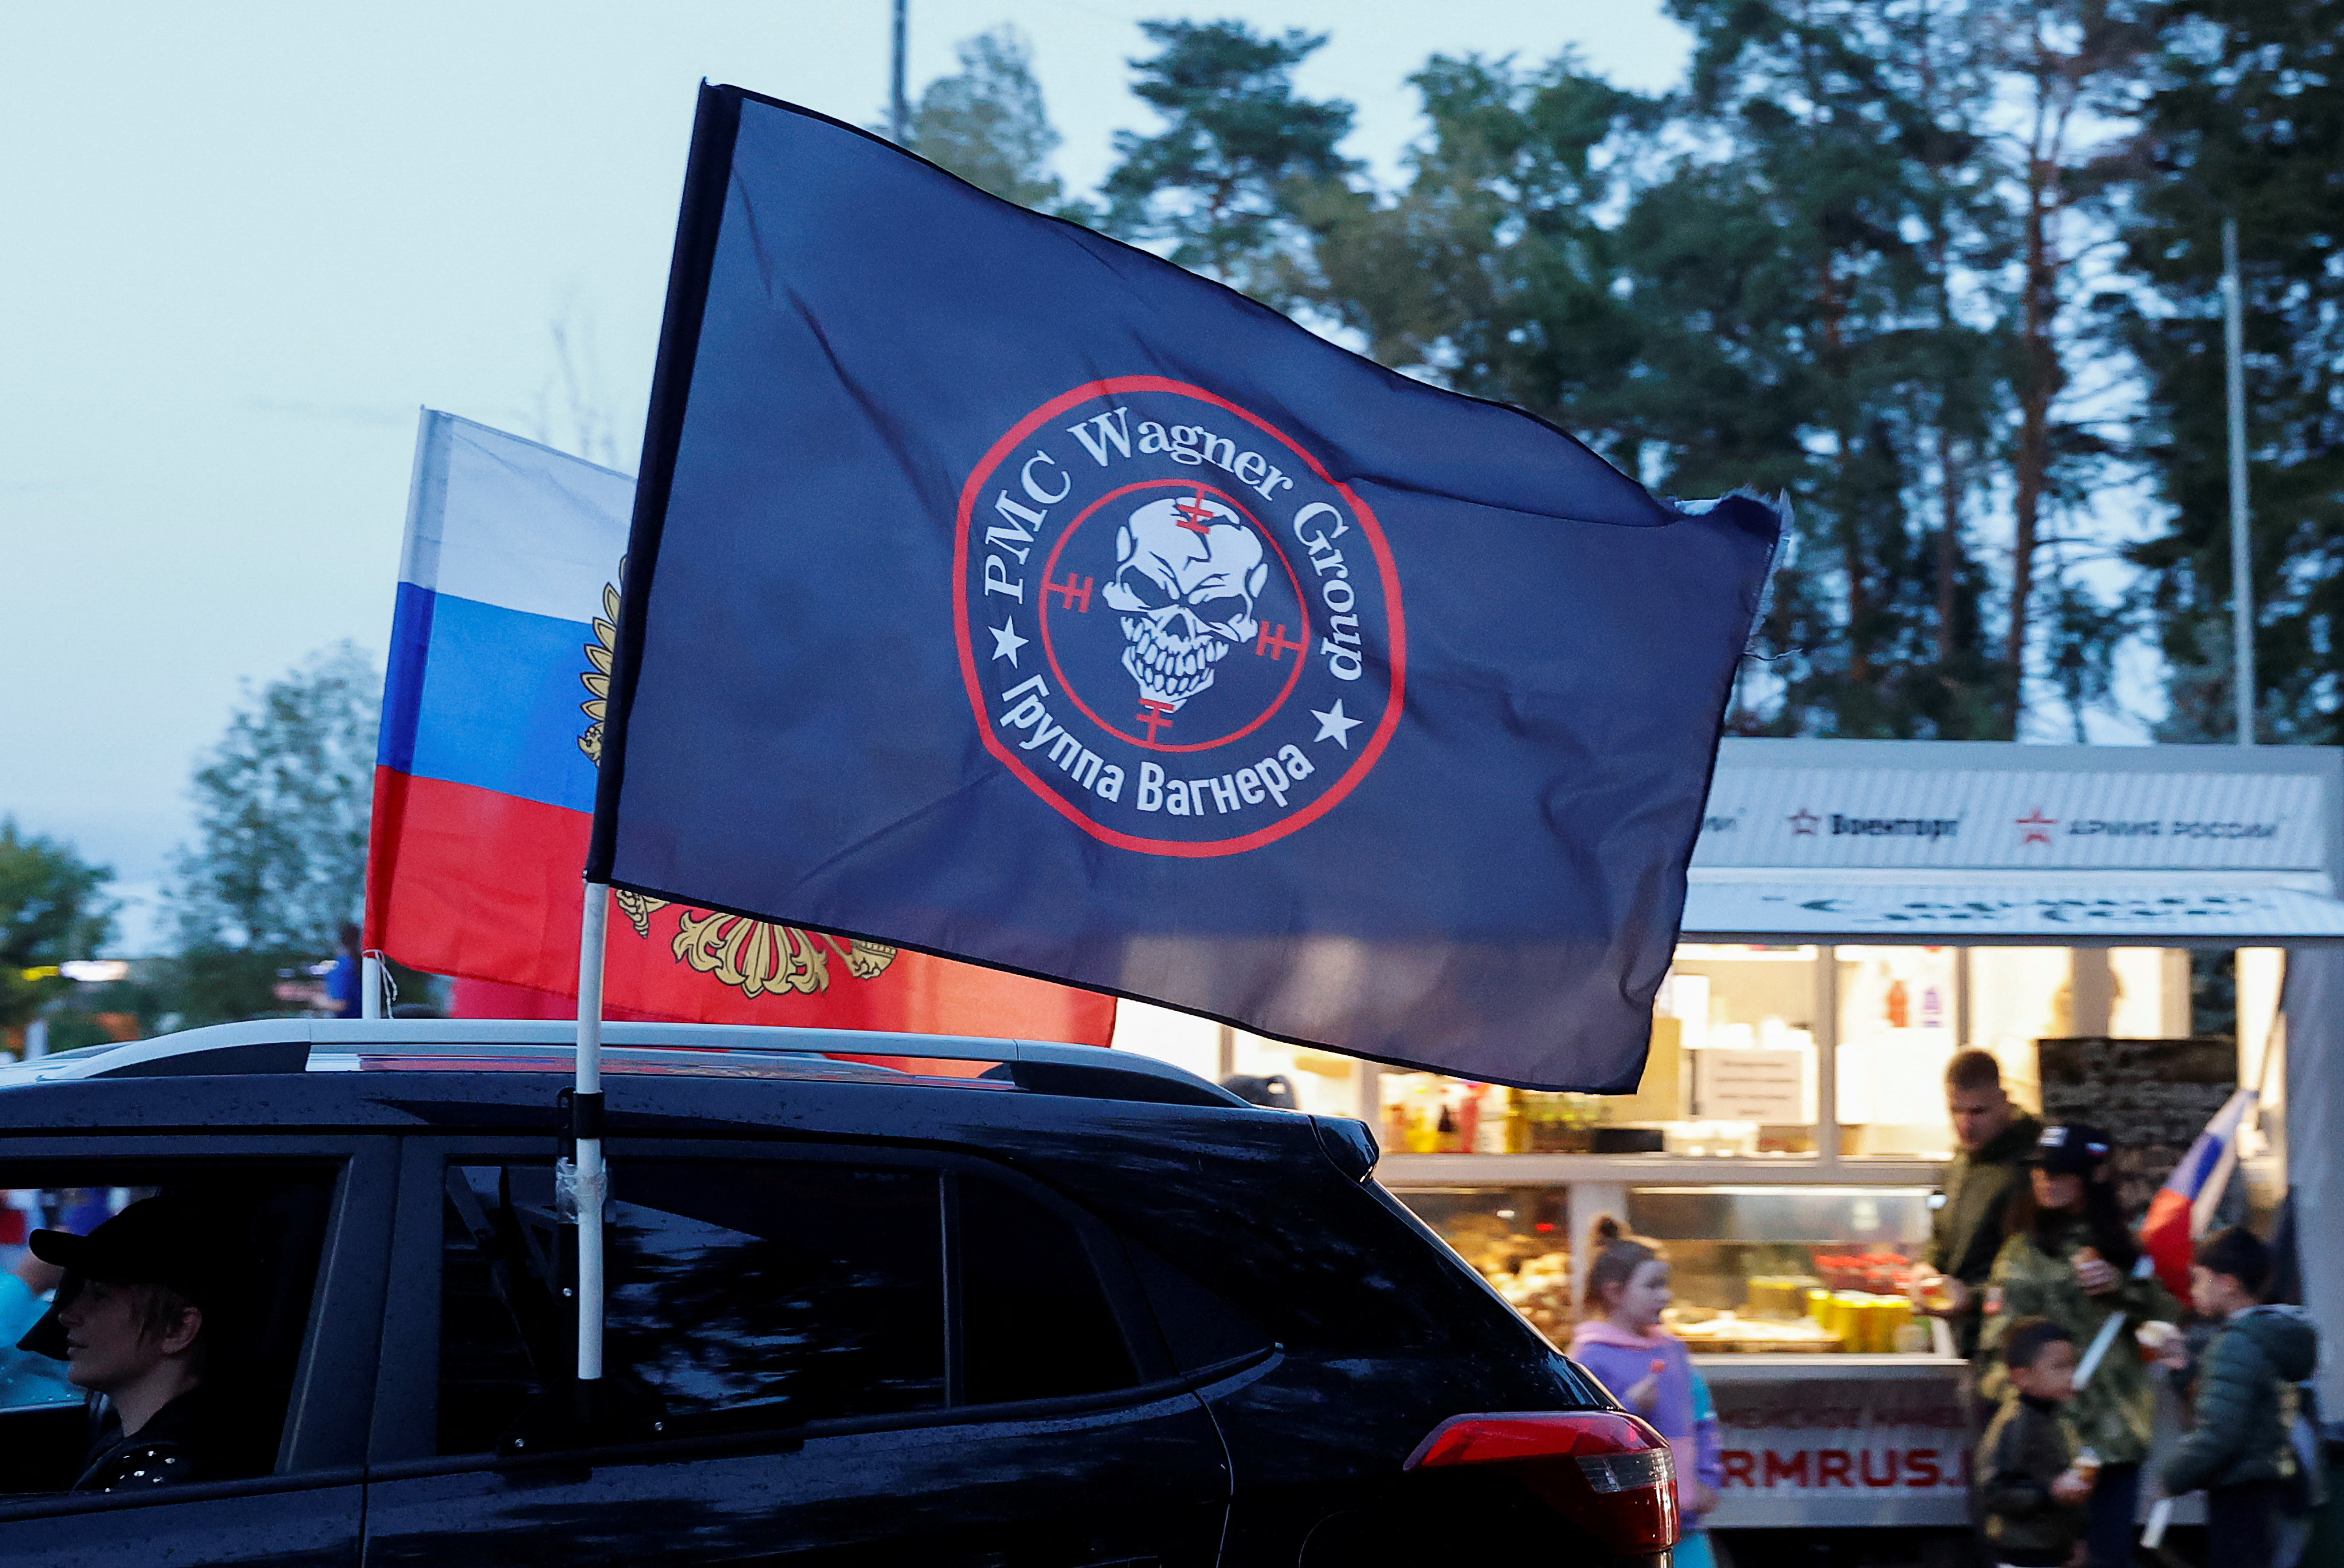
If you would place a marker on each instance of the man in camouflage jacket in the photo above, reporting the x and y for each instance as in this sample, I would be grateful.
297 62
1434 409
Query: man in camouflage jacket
1965 1233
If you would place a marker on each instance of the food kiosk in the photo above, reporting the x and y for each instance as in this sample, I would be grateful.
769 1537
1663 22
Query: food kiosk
1857 912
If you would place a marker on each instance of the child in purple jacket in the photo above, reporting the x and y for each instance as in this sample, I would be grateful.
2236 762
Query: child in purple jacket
1621 1340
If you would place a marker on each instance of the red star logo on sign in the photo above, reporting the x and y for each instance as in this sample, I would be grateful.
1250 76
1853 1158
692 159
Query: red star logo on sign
2038 826
1805 821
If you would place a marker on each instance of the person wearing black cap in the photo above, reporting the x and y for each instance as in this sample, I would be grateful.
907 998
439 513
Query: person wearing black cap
130 1324
2069 1256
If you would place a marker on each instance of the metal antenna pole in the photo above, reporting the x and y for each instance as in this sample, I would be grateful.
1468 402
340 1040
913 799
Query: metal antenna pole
899 115
2242 588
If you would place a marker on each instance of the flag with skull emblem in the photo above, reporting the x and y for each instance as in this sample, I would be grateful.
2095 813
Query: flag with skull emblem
999 591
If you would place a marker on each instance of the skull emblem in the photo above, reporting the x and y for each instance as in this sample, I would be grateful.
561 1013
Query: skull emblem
1188 571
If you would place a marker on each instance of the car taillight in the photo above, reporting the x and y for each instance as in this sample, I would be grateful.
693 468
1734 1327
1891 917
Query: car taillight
1610 1473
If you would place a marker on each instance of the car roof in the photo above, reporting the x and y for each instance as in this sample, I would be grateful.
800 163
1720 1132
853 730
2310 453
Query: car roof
462 1046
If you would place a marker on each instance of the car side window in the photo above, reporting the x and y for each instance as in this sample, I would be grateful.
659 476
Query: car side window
494 1278
1035 1323
743 1294
748 1292
235 1244
753 1294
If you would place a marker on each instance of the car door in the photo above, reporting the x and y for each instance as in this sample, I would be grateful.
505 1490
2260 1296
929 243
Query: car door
317 1210
834 1354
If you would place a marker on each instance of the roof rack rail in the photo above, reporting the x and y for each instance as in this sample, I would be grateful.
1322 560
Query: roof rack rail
287 1044
246 1057
1101 1080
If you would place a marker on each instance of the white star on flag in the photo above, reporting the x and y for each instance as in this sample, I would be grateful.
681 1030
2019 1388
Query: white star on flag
1333 726
1006 643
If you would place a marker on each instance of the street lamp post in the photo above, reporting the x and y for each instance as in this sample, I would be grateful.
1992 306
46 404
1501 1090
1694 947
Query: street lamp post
2242 616
899 117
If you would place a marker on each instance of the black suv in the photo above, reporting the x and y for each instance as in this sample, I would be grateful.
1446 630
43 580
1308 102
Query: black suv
873 1299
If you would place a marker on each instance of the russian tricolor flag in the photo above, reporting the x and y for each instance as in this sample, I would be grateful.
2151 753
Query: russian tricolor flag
2185 1205
484 786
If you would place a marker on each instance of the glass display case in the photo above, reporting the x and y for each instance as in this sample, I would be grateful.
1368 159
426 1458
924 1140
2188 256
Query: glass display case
1792 1269
1809 1268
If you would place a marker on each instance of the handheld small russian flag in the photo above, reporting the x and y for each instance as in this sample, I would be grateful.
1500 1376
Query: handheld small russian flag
2185 1205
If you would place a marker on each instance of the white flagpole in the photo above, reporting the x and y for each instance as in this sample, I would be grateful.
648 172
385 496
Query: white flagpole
587 1124
2099 1350
370 986
2142 1268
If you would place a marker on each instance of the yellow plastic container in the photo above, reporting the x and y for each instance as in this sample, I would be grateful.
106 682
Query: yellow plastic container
1895 1313
1874 1321
1849 1309
1879 1329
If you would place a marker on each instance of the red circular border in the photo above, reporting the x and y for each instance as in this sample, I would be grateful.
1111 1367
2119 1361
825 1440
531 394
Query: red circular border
1389 574
1302 608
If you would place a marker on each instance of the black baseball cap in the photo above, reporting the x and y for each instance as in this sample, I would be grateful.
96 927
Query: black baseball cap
154 1241
2073 1149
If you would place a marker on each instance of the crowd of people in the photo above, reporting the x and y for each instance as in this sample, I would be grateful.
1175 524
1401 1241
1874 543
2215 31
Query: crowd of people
2046 1288
2046 1291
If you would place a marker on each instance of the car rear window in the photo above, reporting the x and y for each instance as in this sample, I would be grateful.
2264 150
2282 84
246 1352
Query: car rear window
1254 1213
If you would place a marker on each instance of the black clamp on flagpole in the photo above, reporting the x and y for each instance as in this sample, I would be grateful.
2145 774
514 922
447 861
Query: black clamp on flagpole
580 1117
585 1116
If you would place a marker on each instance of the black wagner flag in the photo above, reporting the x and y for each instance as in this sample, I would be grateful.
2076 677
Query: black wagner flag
1000 590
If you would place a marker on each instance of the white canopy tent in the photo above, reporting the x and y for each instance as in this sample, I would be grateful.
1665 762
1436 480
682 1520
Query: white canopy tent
1988 843
1881 843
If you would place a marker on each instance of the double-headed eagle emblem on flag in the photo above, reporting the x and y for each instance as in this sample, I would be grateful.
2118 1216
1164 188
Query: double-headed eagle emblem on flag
753 956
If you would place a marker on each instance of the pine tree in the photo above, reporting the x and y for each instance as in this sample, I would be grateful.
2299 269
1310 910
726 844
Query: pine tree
2071 66
1490 271
2246 117
1857 258
1798 275
987 123
1223 180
